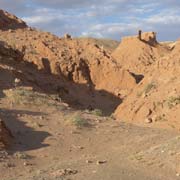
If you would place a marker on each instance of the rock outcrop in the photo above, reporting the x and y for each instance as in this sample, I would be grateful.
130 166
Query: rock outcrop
80 71
9 21
78 61
149 38
157 97
139 54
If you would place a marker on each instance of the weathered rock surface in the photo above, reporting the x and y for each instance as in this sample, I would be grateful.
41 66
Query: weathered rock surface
9 21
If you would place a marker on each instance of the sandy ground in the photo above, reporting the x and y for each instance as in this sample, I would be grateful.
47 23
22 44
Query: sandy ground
47 147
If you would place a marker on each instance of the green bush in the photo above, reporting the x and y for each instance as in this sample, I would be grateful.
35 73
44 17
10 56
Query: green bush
77 120
173 101
97 112
149 87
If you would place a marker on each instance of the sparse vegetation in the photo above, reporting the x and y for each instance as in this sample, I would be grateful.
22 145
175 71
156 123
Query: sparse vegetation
97 112
107 44
21 155
158 104
34 52
173 101
26 96
162 55
147 89
77 120
137 156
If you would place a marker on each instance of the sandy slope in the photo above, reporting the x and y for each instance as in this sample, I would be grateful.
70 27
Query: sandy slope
47 144
158 96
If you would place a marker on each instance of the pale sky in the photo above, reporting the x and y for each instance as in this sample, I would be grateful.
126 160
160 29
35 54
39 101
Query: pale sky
100 18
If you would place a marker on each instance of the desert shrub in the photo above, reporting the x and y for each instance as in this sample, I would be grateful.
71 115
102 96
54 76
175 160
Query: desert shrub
79 121
173 101
21 155
33 51
147 89
97 112
22 95
139 94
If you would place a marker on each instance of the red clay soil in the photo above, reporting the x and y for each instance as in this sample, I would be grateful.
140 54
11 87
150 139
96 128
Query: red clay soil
72 60
157 98
139 55
81 72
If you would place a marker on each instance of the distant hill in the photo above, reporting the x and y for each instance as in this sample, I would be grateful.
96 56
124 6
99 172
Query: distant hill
108 44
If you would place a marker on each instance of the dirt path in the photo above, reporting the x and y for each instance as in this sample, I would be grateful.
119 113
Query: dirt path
47 147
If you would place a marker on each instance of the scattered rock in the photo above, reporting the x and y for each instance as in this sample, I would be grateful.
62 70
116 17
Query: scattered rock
19 115
27 164
41 117
17 82
79 147
154 118
149 112
67 36
89 161
148 120
64 172
101 162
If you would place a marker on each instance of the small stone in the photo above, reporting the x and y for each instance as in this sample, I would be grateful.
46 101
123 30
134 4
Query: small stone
67 36
64 172
36 124
25 164
29 29
80 147
17 81
88 161
18 115
70 171
41 117
144 95
148 120
149 112
98 121
101 162
154 118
